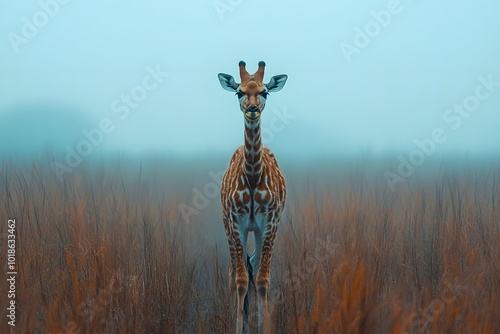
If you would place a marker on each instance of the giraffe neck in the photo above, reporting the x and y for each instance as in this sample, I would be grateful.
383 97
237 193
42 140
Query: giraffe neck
253 152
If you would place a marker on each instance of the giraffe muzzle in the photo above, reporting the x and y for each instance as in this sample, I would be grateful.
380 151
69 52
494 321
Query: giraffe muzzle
252 112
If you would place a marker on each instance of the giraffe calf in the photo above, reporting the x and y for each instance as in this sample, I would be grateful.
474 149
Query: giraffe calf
253 195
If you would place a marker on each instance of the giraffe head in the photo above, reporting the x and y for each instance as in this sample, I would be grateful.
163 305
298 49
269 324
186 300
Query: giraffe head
252 92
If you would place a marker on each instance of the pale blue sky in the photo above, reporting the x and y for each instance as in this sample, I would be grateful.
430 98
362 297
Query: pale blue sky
393 91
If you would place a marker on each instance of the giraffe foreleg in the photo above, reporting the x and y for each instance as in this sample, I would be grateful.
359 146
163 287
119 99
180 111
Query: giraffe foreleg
232 275
232 261
263 277
241 277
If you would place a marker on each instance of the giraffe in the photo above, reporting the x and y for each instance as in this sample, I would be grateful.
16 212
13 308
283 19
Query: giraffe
253 194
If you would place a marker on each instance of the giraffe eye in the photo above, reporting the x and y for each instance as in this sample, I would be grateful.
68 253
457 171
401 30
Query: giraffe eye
264 94
240 94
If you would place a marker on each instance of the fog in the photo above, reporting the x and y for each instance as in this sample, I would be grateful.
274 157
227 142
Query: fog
367 77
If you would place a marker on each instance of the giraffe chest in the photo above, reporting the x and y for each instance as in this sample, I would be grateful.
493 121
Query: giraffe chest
258 199
253 196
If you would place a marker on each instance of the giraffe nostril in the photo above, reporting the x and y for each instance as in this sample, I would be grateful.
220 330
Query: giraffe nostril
253 108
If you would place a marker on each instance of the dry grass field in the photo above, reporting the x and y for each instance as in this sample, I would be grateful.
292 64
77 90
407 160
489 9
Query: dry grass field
107 250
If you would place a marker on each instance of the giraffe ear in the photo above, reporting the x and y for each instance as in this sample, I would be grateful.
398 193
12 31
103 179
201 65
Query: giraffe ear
276 83
227 82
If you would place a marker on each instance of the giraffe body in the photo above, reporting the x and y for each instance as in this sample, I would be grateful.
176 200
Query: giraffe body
252 207
253 195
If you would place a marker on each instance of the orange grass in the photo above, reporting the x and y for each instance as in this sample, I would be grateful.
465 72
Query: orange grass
107 251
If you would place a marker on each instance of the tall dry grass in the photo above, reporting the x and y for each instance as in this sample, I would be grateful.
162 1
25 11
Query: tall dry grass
107 251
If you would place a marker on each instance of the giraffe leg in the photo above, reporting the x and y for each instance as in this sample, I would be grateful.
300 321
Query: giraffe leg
232 276
254 263
232 263
241 278
263 278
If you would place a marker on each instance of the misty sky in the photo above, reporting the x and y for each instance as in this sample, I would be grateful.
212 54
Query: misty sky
364 76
